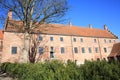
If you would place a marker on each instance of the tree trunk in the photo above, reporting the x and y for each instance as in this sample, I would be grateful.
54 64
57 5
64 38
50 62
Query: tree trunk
24 58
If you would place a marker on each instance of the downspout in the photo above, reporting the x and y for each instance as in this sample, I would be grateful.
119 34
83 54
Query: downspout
70 24
72 47
99 49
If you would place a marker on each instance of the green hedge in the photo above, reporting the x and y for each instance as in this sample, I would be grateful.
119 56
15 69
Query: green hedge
56 70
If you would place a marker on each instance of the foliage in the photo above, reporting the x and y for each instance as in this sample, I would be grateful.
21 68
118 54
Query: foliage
56 70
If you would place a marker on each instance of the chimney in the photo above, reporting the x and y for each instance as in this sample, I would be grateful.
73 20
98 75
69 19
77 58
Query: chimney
10 15
70 24
90 26
105 27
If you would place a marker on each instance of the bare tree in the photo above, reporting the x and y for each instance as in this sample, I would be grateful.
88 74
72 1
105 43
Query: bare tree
38 44
33 13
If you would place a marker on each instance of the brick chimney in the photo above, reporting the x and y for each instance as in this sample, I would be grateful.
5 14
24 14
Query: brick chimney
10 15
105 27
90 25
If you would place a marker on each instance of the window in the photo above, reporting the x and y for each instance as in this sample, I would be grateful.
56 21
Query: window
81 39
41 50
40 38
74 39
61 38
52 52
52 48
89 50
52 55
83 50
105 41
51 38
75 50
14 50
62 50
95 40
96 49
105 50
110 41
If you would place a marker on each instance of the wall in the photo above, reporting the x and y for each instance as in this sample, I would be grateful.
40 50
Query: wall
17 39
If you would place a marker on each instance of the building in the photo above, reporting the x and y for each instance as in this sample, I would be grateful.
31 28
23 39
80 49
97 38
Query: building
1 44
63 42
115 52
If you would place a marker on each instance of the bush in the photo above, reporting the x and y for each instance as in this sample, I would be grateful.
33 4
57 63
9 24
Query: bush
56 70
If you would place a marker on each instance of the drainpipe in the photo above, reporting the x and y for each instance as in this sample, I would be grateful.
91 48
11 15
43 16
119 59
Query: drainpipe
70 24
99 49
72 47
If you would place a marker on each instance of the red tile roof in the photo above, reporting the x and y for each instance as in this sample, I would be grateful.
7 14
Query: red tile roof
78 31
1 34
59 29
115 50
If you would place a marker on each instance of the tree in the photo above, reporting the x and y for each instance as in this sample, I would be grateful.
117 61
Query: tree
33 13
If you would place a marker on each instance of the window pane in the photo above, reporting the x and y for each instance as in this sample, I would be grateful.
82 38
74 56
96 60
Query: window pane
61 38
14 50
51 38
62 50
83 50
52 54
96 49
110 41
90 50
40 38
74 39
95 40
81 39
105 40
75 49
105 50
41 50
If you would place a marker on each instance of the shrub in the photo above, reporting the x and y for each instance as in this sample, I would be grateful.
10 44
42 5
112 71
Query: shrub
56 70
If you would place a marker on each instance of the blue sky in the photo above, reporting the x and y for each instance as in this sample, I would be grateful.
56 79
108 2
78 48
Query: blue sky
97 13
